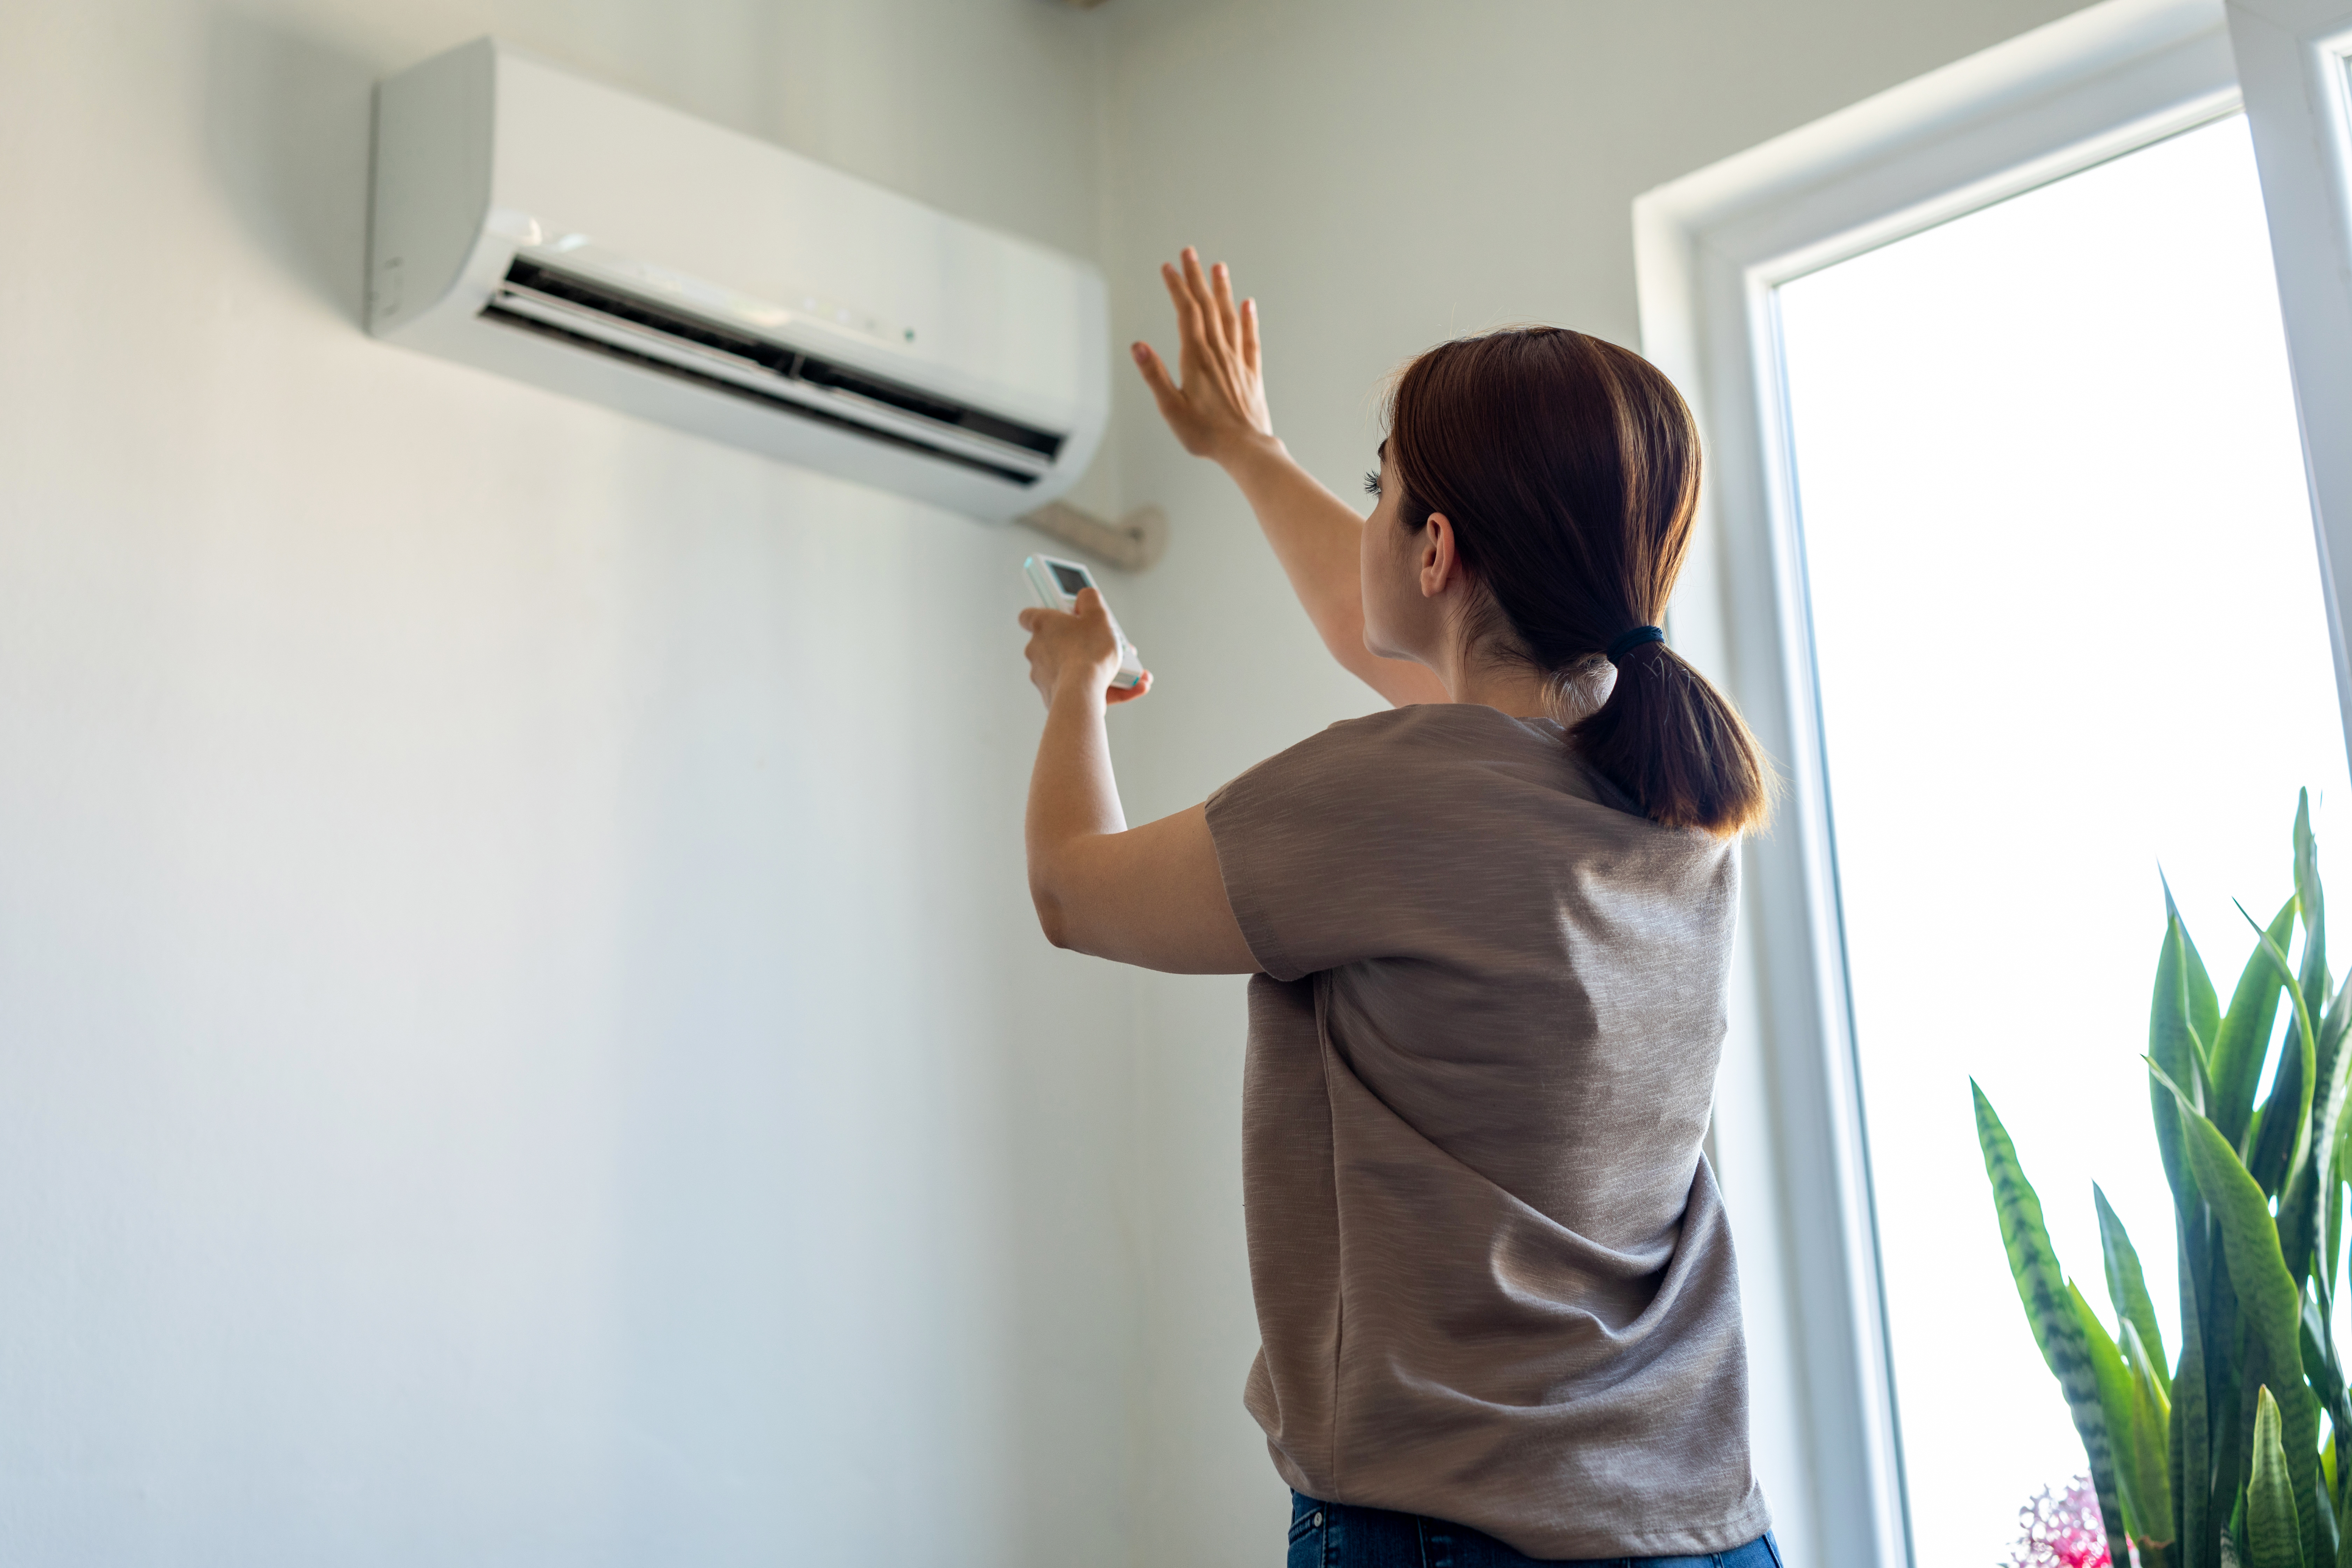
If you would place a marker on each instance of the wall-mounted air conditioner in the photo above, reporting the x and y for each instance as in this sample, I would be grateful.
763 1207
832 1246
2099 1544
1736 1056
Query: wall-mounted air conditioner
565 234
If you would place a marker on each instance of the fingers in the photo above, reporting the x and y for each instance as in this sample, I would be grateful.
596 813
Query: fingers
1206 316
1189 328
1249 335
1156 377
1194 279
1229 319
1062 648
1088 607
1204 301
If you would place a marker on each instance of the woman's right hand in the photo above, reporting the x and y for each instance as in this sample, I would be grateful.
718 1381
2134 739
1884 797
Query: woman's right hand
1219 410
1081 646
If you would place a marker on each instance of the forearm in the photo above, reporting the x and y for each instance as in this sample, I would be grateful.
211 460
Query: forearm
1314 535
1153 895
1318 538
1072 795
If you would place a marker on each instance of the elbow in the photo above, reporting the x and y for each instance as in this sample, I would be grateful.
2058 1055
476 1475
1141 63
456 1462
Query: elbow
1061 890
1051 920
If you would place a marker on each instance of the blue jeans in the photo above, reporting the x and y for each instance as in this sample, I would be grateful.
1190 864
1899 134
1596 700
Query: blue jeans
1338 1535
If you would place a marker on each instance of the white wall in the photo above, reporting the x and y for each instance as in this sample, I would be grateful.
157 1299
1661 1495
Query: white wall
1383 175
522 1037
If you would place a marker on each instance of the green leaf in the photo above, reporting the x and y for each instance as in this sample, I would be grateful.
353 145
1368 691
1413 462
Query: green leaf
2191 1446
2183 1023
2115 1383
2051 1310
2334 1204
2228 1399
2309 899
2244 1037
2303 1209
2146 1474
2273 1538
2178 1047
2320 1366
2325 1374
2204 1007
2268 1300
2321 1504
2285 1142
2126 1286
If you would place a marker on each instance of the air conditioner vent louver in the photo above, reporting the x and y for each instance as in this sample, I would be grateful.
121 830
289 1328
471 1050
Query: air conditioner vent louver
592 314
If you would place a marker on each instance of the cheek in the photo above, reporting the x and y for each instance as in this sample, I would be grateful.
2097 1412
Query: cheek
1372 566
1385 571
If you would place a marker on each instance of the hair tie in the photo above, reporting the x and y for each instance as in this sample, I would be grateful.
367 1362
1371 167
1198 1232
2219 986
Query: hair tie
1628 641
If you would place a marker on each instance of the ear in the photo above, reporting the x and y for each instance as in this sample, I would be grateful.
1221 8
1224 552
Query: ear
1440 563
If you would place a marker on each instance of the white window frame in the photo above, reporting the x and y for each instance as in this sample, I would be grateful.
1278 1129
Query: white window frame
1710 250
2295 59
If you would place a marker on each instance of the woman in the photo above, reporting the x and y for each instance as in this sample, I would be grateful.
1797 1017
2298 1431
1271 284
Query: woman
1489 932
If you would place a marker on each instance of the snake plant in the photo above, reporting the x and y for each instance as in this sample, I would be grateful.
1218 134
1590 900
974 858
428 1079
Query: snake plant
2215 1457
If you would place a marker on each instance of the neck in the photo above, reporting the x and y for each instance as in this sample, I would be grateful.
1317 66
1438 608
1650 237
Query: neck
1514 688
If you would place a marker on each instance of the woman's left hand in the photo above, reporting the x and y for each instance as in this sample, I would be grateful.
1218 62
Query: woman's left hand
1082 646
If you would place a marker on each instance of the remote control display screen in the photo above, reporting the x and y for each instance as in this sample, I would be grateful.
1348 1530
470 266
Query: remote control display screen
1071 579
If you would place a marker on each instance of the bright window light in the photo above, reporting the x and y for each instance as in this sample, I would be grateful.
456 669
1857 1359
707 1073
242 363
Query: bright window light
2067 615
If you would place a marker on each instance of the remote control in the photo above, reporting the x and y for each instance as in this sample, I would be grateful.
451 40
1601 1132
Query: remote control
1057 584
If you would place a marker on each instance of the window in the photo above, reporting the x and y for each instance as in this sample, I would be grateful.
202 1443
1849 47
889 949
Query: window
1753 276
2067 626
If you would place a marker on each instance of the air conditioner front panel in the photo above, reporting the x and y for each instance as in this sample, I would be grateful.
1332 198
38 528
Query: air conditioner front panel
969 366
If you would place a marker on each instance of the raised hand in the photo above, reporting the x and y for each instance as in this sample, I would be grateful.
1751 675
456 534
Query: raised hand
1219 409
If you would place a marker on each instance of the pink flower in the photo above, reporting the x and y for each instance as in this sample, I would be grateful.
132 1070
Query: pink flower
2062 1532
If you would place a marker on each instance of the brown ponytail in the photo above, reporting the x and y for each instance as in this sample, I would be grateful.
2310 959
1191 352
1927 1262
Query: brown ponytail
1569 469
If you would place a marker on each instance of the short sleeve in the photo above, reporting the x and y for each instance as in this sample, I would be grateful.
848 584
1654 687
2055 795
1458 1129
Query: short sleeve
1326 852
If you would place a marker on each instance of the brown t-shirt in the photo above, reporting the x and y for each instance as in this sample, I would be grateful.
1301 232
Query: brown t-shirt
1494 1279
